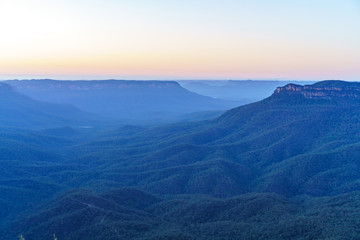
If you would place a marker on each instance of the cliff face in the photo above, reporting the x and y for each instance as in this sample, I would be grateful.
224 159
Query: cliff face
322 90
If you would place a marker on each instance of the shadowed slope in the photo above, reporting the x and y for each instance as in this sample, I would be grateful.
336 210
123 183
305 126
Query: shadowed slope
20 111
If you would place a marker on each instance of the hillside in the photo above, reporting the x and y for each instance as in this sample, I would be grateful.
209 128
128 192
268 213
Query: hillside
285 167
288 144
130 101
132 214
18 110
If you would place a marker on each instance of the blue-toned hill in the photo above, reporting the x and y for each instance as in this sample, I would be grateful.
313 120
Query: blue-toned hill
286 167
129 101
18 110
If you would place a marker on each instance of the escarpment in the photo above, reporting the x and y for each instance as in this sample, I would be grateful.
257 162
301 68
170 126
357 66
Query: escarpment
322 90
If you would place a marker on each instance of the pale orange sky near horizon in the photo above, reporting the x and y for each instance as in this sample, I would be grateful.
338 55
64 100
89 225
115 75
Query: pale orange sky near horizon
156 39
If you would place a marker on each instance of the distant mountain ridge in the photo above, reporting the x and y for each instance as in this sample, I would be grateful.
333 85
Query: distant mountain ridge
18 110
122 99
86 85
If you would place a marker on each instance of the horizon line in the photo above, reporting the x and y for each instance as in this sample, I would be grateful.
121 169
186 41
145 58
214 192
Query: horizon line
188 79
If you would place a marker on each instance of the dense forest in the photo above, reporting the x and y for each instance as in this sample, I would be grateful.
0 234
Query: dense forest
286 167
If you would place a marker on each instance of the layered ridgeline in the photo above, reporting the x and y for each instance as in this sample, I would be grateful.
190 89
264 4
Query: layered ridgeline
141 101
247 91
18 110
283 168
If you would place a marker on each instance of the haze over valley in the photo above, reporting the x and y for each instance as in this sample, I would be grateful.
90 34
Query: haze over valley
179 120
271 168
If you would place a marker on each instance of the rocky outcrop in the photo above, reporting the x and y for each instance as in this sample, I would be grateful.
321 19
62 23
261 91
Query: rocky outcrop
322 90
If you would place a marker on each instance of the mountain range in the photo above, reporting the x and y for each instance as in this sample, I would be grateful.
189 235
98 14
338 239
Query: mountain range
126 101
285 167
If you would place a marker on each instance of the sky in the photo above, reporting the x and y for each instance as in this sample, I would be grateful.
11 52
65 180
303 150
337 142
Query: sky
183 39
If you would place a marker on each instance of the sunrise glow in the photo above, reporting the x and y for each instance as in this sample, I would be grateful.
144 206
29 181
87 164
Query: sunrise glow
162 39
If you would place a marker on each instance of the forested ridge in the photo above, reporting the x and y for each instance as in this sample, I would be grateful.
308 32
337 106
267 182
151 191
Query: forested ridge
286 167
